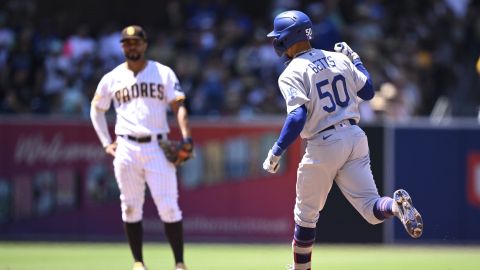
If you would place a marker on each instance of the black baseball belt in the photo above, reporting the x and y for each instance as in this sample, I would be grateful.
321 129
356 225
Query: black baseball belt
143 139
351 121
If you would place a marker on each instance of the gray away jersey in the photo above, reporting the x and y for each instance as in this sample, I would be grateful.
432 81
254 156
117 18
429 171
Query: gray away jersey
327 83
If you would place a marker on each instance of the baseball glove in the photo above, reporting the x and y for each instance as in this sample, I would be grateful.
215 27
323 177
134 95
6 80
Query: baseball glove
177 152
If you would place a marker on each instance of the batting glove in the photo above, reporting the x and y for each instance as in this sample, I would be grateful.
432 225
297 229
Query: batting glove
271 164
342 47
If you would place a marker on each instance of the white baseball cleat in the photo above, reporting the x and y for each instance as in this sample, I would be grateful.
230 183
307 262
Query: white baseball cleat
139 266
408 215
180 266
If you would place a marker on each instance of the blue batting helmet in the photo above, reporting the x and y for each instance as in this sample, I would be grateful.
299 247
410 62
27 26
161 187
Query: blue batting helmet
290 27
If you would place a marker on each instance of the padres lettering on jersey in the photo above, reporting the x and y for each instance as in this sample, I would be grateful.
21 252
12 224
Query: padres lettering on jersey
327 83
150 90
141 101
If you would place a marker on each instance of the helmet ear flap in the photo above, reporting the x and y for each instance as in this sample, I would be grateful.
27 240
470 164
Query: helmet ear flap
279 46
275 42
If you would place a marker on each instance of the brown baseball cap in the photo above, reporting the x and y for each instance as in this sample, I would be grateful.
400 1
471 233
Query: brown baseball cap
133 32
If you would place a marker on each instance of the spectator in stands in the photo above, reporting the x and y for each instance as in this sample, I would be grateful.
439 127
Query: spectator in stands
215 48
56 76
109 50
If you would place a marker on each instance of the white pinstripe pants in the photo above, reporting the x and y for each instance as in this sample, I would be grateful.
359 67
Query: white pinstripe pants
137 164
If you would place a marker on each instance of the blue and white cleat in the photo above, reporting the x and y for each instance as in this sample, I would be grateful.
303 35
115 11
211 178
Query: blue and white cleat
408 215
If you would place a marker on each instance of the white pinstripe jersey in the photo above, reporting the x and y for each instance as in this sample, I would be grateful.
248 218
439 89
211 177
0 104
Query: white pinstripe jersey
140 101
327 83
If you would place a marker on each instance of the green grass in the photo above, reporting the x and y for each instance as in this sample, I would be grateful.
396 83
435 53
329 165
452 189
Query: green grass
90 256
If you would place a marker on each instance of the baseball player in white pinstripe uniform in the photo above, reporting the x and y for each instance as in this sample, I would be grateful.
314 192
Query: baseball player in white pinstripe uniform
141 91
322 90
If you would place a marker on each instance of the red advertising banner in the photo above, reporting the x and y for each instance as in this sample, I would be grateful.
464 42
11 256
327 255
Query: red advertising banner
56 181
473 178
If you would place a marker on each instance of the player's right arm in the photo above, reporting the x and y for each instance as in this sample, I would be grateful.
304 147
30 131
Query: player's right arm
366 92
100 104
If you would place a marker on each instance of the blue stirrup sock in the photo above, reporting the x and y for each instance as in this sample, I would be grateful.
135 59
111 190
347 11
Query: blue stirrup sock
382 209
302 246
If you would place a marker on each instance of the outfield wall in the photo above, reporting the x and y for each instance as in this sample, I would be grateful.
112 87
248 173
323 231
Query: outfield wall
56 183
440 168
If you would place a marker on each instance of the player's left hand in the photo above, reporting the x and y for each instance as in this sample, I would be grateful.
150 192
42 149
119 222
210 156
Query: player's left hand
177 152
186 151
271 164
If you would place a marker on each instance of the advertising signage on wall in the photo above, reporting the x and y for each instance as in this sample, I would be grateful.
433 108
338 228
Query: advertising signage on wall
445 181
473 185
56 180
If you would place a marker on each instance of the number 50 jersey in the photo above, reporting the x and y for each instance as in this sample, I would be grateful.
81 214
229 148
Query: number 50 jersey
327 83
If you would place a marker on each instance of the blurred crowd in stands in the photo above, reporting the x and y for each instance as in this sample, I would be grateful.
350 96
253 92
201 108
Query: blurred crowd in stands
417 52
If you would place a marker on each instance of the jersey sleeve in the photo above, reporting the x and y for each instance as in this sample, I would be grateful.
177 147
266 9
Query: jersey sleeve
179 95
293 91
172 87
359 79
102 98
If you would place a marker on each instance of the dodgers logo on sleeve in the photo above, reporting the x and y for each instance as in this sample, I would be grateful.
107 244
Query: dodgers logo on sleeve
291 93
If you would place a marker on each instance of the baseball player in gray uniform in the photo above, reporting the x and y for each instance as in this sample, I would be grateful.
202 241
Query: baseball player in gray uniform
142 90
322 90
